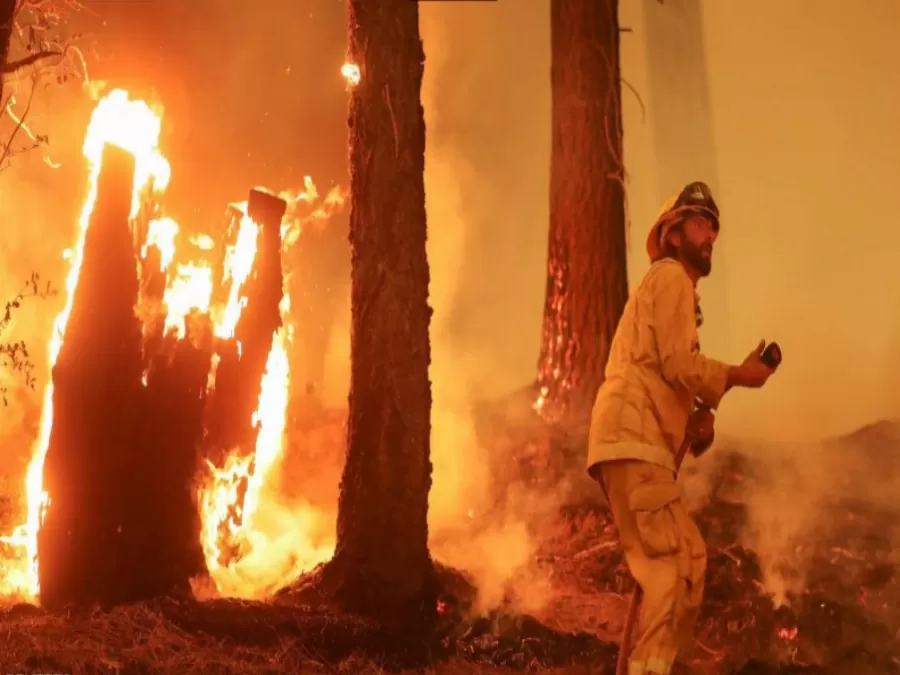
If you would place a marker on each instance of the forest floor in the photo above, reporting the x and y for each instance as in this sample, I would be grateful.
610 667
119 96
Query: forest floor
832 553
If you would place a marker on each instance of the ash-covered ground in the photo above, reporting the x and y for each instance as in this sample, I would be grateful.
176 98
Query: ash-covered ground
825 600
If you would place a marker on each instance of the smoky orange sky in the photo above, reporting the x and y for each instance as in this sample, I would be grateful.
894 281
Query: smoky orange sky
794 124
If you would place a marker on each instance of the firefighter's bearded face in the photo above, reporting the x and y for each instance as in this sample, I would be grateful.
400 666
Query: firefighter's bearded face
692 242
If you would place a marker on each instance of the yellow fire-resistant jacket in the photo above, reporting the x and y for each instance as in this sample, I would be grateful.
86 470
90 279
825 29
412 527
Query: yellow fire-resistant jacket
654 373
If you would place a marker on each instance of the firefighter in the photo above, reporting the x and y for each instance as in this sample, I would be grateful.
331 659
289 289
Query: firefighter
654 375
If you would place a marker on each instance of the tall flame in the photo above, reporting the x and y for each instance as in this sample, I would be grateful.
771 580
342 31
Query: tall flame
161 233
190 289
238 264
275 541
222 495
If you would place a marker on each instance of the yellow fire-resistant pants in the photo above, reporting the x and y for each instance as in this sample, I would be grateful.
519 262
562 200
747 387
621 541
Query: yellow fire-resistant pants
666 555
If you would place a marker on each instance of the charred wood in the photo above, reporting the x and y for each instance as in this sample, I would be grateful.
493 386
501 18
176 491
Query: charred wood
172 429
153 288
242 361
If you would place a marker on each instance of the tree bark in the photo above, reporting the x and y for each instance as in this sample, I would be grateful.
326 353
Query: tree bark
382 567
90 537
171 428
7 17
587 282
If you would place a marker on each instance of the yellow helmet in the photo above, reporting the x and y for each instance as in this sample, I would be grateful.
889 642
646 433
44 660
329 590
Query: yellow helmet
694 198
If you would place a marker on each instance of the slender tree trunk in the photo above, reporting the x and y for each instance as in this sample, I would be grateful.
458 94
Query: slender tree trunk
381 565
587 282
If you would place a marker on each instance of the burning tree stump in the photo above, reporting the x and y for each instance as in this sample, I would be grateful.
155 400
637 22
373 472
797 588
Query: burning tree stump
89 540
261 317
242 360
381 566
240 369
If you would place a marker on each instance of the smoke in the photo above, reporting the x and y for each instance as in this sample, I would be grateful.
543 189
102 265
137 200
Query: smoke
802 498
804 262
486 100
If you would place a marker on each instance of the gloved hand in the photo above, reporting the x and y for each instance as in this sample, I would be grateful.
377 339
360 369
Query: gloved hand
700 430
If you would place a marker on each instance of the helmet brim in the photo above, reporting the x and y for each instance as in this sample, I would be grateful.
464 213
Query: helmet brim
669 219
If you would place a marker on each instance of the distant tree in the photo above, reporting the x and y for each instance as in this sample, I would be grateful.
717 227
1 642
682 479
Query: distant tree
587 281
382 566
33 45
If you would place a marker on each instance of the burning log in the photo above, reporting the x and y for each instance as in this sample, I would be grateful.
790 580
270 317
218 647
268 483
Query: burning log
87 543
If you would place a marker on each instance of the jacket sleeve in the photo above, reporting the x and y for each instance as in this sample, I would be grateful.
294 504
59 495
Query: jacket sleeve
675 330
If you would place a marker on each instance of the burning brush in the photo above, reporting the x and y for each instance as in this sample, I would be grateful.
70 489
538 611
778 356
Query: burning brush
140 398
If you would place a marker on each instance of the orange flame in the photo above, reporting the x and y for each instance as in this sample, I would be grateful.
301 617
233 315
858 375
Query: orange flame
351 74
276 540
238 264
222 495
161 233
190 289
238 509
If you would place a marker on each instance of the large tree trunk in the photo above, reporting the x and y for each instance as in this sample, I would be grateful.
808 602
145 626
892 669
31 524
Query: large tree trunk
587 282
89 542
381 565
